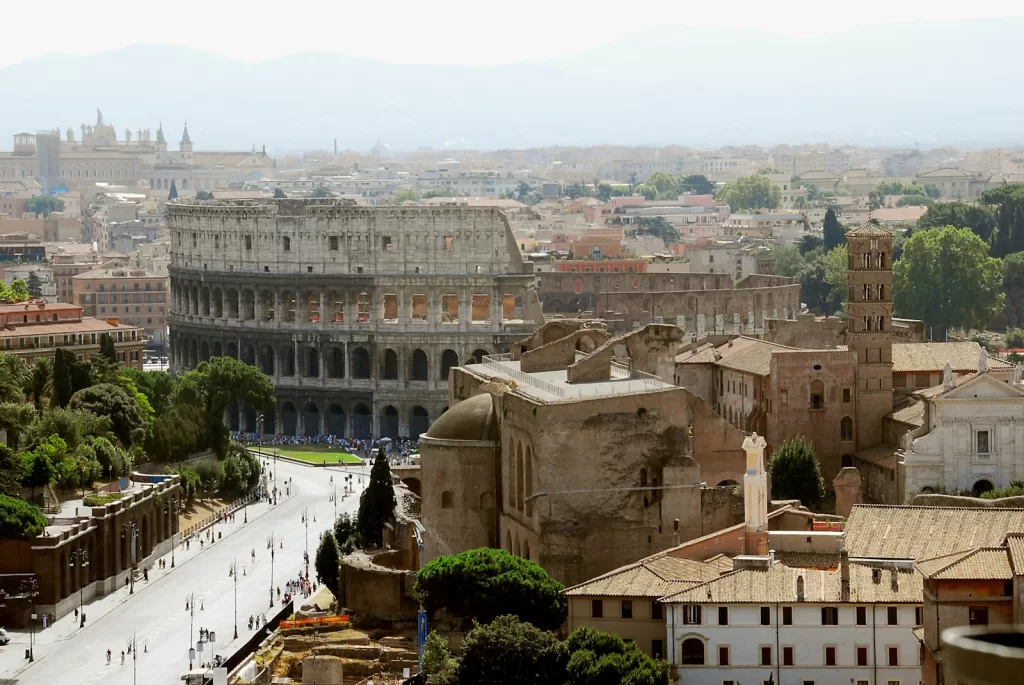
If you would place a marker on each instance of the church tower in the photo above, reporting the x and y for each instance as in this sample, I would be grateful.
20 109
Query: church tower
186 145
161 142
869 327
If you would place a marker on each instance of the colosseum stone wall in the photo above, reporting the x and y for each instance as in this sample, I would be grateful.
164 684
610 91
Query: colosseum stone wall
356 313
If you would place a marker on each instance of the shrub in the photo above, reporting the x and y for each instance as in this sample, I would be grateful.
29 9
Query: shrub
796 473
1015 337
509 652
19 519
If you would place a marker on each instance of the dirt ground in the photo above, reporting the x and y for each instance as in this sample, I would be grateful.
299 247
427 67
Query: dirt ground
199 512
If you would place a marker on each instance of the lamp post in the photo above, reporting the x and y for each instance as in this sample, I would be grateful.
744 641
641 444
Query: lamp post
29 589
79 561
233 571
272 541
190 602
171 509
305 520
131 531
133 646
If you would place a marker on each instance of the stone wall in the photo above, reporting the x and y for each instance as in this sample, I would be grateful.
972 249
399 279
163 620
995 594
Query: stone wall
370 588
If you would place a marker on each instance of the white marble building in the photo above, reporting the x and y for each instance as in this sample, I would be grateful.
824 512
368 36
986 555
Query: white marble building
972 437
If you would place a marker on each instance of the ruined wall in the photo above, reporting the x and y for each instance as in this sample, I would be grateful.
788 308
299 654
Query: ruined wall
721 508
551 331
366 588
807 332
717 445
561 353
697 378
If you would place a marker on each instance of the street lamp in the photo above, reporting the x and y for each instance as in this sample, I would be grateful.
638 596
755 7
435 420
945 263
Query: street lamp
190 605
272 541
305 520
131 529
79 561
133 646
171 509
233 572
29 589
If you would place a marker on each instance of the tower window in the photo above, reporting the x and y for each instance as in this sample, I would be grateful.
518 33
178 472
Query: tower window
817 394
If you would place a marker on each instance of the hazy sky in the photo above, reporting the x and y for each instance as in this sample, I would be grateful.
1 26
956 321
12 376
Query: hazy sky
413 31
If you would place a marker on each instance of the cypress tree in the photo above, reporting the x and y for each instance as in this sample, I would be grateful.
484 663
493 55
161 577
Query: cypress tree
107 350
377 503
1001 240
832 232
62 390
173 194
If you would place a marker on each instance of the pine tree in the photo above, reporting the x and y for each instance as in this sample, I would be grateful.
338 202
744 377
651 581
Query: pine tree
107 349
1001 240
832 232
327 562
62 390
173 195
35 286
377 503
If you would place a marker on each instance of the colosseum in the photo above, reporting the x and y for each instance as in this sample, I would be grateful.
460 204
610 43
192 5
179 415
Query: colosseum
357 313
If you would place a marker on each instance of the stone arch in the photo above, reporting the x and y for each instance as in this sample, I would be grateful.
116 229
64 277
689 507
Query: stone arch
289 419
511 474
336 420
193 355
419 422
231 296
508 541
846 429
447 499
289 303
419 367
478 355
528 481
518 550
248 355
526 549
335 362
234 422
93 568
218 350
413 484
362 422
217 306
449 360
519 477
389 422
267 305
487 500
248 308
691 651
204 351
310 420
267 360
846 461
204 302
145 538
311 362
817 398
288 361
232 350
360 364
983 485
194 301
390 366
270 422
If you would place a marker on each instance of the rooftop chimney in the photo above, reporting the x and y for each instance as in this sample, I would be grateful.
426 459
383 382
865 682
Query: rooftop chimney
844 574
755 496
799 588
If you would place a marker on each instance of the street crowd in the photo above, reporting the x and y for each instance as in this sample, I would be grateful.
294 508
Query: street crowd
401 447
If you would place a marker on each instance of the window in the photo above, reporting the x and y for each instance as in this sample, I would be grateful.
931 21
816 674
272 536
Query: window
787 616
597 608
656 610
862 616
286 243
723 655
657 648
862 656
829 616
766 616
385 243
766 656
888 682
846 395
977 616
787 656
723 616
332 242
627 608
830 656
691 614
862 682
817 394
248 242
446 499
692 652
449 242
891 616
919 612
899 380
894 656
982 442
784 398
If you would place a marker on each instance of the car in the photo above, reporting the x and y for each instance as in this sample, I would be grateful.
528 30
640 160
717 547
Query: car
4 637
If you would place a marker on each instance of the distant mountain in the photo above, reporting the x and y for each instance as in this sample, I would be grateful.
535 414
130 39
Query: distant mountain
929 82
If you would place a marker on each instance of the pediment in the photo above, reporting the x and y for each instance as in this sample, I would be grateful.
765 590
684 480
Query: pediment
984 386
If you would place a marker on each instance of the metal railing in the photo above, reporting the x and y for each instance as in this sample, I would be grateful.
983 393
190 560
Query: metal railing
496 363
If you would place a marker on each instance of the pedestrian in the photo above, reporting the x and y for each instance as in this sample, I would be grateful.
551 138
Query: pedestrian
186 605
202 605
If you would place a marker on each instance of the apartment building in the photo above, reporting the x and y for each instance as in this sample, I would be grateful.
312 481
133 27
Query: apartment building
129 295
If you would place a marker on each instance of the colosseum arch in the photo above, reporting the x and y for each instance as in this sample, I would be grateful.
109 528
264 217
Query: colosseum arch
449 360
194 301
311 420
218 303
389 422
231 350
289 419
248 312
478 355
419 422
360 365
248 355
362 422
288 305
419 368
336 421
267 305
204 302
519 477
270 422
231 295
193 354
267 360
288 360
249 419
335 361
218 350
390 366
234 420
311 362
526 550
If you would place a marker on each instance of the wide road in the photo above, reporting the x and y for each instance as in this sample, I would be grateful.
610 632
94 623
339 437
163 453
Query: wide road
156 612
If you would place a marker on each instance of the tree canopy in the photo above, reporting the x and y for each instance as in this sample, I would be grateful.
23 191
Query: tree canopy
832 232
750 192
946 277
658 227
377 503
597 658
979 218
796 473
115 403
485 583
697 184
44 204
328 561
20 520
509 652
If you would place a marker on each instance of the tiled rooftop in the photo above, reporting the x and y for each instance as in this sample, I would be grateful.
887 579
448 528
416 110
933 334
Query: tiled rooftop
933 356
986 563
652 577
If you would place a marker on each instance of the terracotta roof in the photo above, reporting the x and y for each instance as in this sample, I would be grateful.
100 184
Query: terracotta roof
912 414
721 562
705 354
1015 544
883 456
749 355
808 559
933 356
870 230
902 532
779 584
652 577
86 325
984 563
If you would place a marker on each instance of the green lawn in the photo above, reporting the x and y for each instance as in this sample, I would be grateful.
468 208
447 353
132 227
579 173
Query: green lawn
314 456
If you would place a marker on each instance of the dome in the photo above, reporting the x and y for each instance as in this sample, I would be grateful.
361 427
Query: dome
472 419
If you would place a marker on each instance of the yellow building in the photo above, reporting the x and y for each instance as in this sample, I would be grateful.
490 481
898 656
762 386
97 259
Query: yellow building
125 294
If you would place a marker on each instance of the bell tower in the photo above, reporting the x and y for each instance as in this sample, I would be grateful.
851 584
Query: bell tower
185 146
869 327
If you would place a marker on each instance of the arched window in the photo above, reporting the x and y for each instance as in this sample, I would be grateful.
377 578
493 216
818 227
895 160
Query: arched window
692 652
817 394
643 478
446 499
846 429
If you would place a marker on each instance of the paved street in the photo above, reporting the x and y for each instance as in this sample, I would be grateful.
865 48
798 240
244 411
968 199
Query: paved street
66 653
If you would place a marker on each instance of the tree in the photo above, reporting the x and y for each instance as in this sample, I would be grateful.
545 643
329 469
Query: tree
204 195
486 583
914 201
377 503
662 182
810 242
107 349
44 204
39 382
796 473
814 289
947 278
978 218
509 652
658 227
440 667
37 470
328 561
20 520
279 194
346 533
62 390
15 418
10 472
1015 337
835 278
597 658
115 403
158 386
751 192
173 194
788 260
34 285
697 184
405 196
832 232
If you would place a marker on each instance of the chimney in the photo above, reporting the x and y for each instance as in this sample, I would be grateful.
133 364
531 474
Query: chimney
799 588
844 574
876 575
894 577
755 496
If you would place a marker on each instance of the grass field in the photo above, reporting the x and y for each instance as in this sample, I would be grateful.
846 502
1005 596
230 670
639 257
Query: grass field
314 455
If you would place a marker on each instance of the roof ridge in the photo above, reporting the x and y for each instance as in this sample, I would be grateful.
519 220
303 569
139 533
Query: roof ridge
934 506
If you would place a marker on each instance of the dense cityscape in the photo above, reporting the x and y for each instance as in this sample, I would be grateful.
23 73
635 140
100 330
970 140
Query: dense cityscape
453 415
